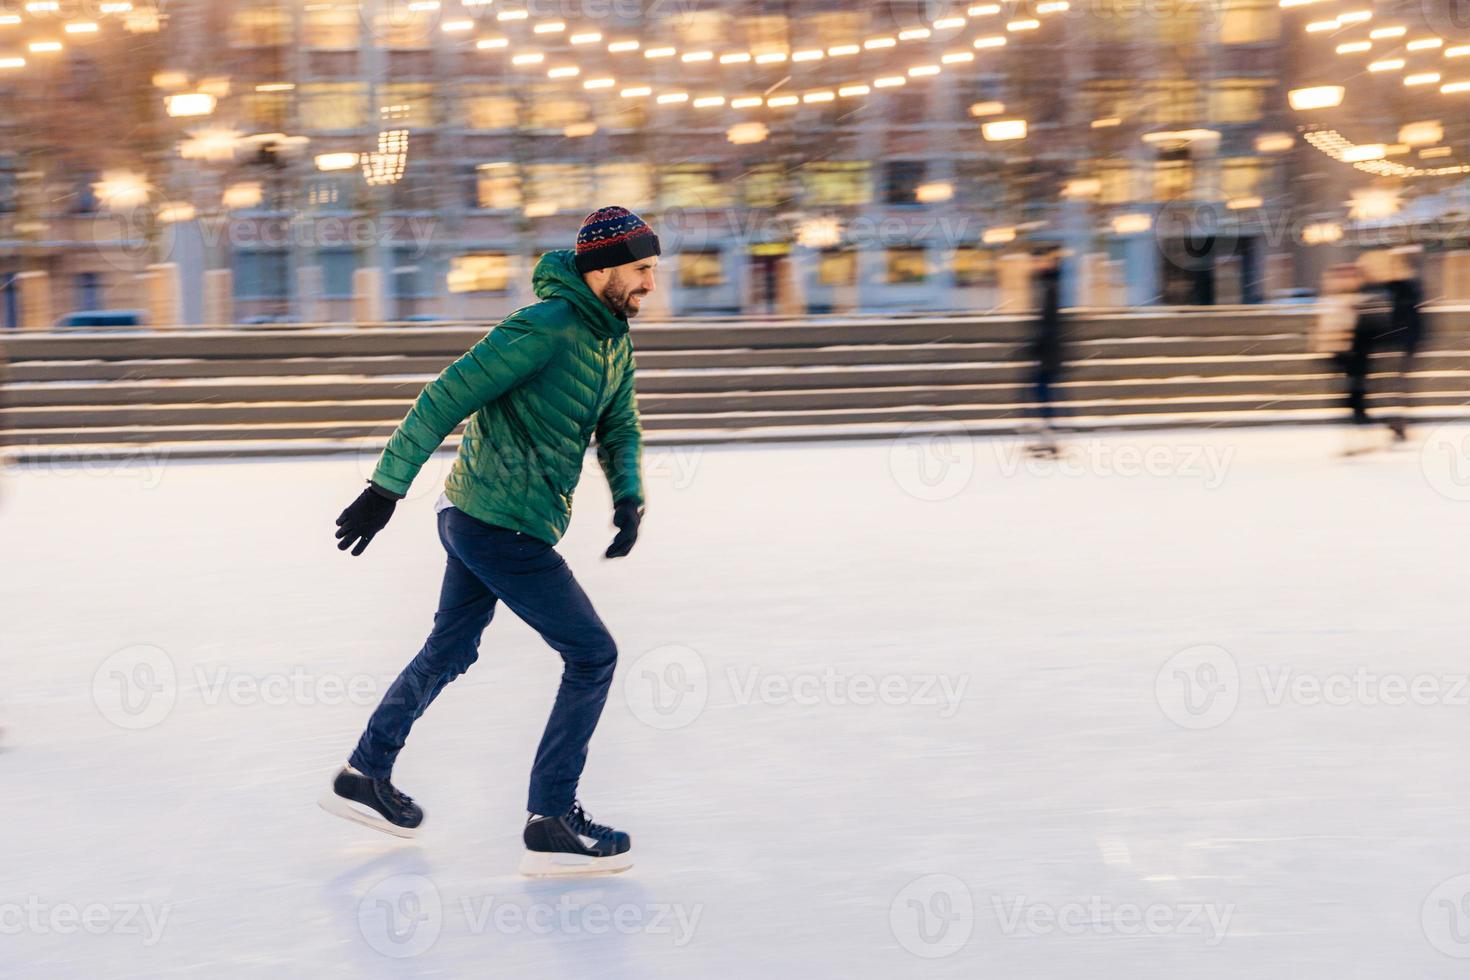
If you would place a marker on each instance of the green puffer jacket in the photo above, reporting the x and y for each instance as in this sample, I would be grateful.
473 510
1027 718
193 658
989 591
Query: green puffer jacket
536 390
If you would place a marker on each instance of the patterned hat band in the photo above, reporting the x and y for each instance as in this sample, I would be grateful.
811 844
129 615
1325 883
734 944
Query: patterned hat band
614 236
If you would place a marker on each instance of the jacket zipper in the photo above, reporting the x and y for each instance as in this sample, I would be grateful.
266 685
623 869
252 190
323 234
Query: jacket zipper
601 380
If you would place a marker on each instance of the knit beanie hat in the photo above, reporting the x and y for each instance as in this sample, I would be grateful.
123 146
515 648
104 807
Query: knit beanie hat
613 236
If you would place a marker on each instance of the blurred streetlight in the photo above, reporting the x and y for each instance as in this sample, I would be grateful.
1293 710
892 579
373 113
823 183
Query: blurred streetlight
1132 224
190 104
121 190
1315 97
328 162
1004 129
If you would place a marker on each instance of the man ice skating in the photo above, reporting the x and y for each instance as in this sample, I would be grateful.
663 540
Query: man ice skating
536 390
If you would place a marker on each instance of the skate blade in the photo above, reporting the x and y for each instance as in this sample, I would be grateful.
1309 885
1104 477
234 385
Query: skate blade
545 864
347 810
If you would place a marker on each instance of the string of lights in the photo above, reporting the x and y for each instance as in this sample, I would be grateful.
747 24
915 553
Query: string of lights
1423 59
533 57
769 55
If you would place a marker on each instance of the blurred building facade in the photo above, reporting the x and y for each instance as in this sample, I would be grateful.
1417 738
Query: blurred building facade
340 160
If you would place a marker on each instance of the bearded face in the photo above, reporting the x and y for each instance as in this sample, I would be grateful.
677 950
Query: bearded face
626 286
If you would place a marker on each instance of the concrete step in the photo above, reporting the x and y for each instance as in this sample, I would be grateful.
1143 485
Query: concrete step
723 381
832 420
31 371
169 408
450 340
654 380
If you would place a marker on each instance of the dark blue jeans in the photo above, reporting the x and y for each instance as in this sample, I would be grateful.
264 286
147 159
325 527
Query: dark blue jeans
488 564
1041 387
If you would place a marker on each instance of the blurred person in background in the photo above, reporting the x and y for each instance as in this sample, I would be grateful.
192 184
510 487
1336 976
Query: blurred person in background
1045 347
1405 292
1362 318
1337 316
535 389
1332 331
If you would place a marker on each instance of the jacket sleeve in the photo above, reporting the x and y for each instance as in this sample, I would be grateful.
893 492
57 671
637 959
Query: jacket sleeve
620 442
508 356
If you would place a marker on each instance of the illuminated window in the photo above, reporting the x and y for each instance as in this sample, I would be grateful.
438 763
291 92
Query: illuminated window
487 272
906 265
1241 176
837 267
266 111
413 103
549 107
333 105
700 270
497 187
1120 182
488 107
332 192
1173 179
1174 103
694 185
1180 23
764 186
629 185
973 267
260 25
836 184
330 26
1250 22
1238 100
558 187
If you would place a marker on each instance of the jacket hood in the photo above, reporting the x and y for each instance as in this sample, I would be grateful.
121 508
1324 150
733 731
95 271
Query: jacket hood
556 277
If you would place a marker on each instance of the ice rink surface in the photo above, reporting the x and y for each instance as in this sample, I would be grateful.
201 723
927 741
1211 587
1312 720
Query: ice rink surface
1185 704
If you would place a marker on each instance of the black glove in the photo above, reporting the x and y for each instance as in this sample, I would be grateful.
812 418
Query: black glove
365 517
627 514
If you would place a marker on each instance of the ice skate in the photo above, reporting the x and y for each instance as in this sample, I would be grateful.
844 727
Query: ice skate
1038 440
1046 447
374 803
1362 440
573 845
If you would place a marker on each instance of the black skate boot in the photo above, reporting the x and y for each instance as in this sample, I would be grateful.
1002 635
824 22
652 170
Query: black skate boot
573 845
374 803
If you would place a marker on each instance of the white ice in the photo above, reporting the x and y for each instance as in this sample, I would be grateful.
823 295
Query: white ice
1055 773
